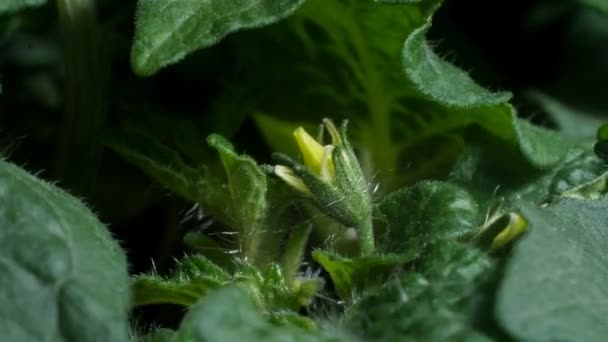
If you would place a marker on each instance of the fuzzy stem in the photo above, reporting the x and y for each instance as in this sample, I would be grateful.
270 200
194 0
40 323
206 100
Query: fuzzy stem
294 251
78 152
366 237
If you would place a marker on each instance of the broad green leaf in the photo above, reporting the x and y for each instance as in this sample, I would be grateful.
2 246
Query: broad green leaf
411 110
437 78
351 276
11 6
412 309
497 176
568 120
166 31
433 304
426 211
554 282
63 276
460 265
228 315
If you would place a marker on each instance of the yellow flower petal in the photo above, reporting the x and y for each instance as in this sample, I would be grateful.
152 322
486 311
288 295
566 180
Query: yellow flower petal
312 150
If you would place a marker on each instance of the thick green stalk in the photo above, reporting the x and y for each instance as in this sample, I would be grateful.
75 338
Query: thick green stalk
78 152
366 237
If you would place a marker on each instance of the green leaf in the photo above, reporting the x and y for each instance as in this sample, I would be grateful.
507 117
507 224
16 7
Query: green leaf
12 6
193 277
351 57
426 211
436 78
351 276
247 186
151 290
593 189
167 167
576 171
166 32
554 282
243 208
229 315
493 171
568 120
161 163
411 309
433 304
63 276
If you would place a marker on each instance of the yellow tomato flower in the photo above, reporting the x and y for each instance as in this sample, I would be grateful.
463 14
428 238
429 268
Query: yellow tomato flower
316 156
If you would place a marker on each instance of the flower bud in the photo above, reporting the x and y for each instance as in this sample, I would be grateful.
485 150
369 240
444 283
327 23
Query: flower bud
331 176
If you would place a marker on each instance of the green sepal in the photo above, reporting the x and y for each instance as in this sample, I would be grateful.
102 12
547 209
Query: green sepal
351 183
325 195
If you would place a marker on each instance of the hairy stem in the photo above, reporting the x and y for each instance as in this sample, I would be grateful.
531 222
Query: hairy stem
78 153
294 251
366 237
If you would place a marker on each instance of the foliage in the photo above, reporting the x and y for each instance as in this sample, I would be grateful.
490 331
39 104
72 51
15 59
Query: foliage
319 170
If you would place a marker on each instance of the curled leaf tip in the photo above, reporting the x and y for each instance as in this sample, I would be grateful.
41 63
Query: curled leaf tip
516 226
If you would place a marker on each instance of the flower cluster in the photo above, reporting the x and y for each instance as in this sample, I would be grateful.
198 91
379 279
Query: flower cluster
331 177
